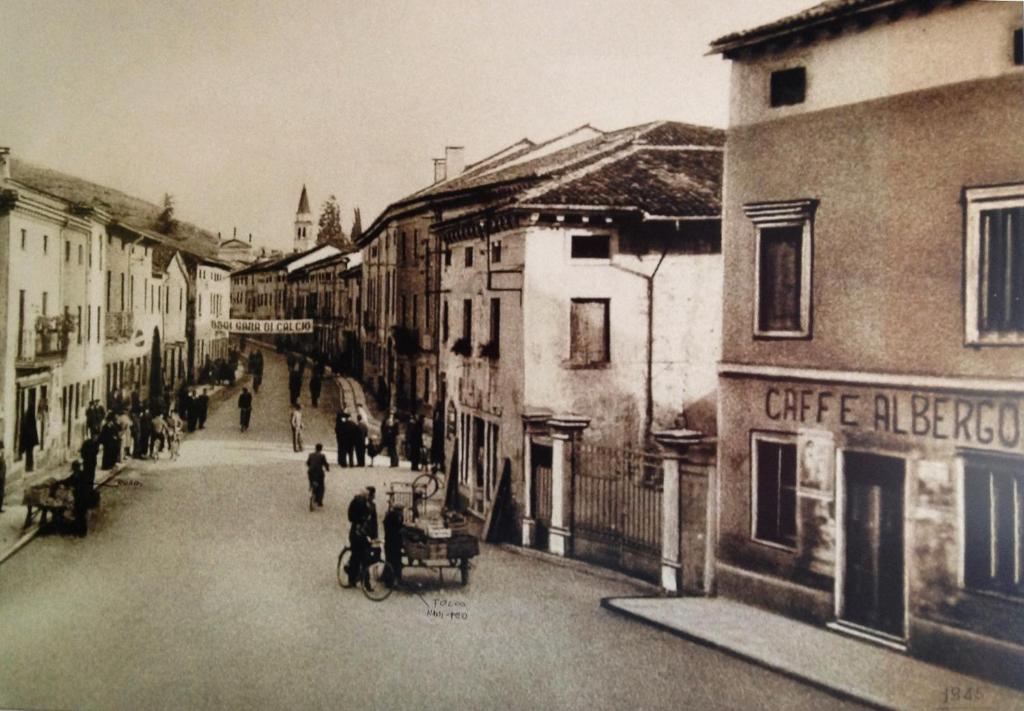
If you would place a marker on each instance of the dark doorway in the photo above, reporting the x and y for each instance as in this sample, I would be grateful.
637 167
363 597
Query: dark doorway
540 492
873 584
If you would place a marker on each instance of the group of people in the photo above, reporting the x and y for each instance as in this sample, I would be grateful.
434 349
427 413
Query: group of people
352 437
364 531
256 368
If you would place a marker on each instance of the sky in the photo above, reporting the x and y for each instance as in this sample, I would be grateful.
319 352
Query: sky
232 105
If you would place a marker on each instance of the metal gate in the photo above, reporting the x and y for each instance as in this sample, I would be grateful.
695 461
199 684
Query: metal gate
617 509
540 493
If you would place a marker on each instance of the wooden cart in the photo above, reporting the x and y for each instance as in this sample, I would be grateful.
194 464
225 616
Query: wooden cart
439 553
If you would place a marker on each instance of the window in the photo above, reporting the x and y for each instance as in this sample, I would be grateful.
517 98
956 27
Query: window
469 256
994 523
448 257
788 86
415 311
24 238
79 255
1018 46
591 247
444 322
99 328
78 326
67 252
588 332
46 243
493 345
783 268
496 252
773 466
995 265
467 320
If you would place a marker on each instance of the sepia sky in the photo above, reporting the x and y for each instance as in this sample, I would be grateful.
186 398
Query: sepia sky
232 105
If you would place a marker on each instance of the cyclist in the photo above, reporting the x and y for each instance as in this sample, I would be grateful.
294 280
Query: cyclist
316 466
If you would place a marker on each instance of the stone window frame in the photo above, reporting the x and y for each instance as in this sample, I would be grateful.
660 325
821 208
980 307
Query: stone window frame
787 438
788 213
976 199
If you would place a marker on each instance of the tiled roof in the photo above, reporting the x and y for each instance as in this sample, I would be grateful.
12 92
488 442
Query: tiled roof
122 207
821 14
674 182
162 258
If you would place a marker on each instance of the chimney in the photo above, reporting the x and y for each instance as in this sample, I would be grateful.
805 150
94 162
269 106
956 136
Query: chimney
439 170
455 160
5 162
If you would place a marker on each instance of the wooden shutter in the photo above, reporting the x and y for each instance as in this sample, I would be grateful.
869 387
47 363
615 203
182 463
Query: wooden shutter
779 278
588 326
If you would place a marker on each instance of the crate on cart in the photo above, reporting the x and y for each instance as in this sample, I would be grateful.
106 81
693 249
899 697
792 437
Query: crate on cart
410 497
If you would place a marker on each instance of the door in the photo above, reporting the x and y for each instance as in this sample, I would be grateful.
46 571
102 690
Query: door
540 492
873 580
479 463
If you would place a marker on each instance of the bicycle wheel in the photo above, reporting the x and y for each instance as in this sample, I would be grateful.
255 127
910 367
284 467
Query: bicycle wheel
344 560
378 580
428 482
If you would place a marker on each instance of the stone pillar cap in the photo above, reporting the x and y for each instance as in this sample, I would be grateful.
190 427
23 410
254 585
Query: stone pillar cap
570 422
536 415
677 438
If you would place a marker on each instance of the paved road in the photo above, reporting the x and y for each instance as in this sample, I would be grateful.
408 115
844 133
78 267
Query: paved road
211 585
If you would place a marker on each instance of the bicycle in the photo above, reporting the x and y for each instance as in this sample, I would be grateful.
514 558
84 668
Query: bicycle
432 479
377 579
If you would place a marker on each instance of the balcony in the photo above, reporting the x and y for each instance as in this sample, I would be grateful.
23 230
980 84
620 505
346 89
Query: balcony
48 341
120 326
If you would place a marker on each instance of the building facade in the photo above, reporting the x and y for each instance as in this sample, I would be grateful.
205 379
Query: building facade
870 455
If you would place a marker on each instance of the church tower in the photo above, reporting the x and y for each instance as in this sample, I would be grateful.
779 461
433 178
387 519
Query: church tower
305 237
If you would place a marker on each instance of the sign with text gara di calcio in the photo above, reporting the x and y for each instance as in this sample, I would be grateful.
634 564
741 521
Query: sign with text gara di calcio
266 327
986 421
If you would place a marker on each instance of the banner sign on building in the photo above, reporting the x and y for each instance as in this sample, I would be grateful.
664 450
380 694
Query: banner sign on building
263 326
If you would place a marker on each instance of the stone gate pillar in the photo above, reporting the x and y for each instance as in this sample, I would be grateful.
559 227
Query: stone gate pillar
674 444
565 432
533 424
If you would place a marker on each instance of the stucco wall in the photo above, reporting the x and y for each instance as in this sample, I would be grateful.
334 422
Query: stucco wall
888 256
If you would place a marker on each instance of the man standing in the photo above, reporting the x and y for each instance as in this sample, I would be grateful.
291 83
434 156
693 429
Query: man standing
414 439
257 376
351 438
245 408
315 385
192 405
394 522
389 437
372 529
316 466
204 408
363 432
81 487
297 428
341 436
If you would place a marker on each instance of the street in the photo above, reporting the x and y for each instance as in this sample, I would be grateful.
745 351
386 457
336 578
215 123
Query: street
211 585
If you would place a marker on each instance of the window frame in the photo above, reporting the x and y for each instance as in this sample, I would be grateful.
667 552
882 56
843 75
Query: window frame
770 215
607 236
975 200
968 459
779 95
782 438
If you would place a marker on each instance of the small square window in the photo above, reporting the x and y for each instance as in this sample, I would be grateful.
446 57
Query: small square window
591 247
788 86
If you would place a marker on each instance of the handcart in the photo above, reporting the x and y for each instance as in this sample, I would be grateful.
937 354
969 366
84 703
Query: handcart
422 550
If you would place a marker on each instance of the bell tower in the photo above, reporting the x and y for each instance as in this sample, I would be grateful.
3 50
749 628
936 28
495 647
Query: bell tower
304 235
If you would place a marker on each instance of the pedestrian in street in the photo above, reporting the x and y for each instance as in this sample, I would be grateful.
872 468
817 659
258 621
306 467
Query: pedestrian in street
341 436
136 401
294 385
394 522
90 451
257 378
360 443
3 473
143 435
174 428
193 411
81 488
372 529
359 539
389 437
110 439
315 385
29 438
297 427
316 468
351 436
244 408
183 400
414 440
437 438
158 435
204 408
126 425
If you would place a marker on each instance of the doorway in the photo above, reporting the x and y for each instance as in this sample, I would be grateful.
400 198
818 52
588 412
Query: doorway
873 583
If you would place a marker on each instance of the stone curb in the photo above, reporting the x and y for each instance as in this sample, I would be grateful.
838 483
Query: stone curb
580 566
608 603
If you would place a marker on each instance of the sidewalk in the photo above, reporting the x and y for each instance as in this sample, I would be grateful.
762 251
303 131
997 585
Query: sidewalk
846 667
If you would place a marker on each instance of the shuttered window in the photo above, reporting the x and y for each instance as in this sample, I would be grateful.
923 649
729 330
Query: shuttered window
779 278
775 478
588 331
1001 274
993 520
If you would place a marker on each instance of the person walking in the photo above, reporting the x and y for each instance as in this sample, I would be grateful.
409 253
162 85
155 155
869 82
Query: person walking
389 437
174 428
158 435
414 440
295 384
81 488
297 427
244 409
394 522
341 436
315 385
351 431
127 424
29 439
257 376
193 411
143 435
360 444
111 442
204 408
316 468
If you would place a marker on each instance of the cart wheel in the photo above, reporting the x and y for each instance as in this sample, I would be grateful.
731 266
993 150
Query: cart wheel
427 482
344 560
464 571
378 580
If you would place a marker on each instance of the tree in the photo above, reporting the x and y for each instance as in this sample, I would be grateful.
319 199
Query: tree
165 220
357 226
330 223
